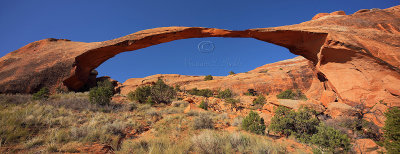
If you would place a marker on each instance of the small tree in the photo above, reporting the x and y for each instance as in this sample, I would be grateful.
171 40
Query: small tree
203 105
302 124
102 93
42 94
254 123
208 77
231 73
161 92
140 94
330 140
392 130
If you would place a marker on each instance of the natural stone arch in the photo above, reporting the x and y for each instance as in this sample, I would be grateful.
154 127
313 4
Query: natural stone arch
356 57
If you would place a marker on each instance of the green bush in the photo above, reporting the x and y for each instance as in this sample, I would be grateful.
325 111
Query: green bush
254 123
42 94
227 93
260 100
201 92
232 101
161 92
251 92
392 130
329 139
231 73
208 77
203 105
102 93
302 124
289 94
140 94
157 93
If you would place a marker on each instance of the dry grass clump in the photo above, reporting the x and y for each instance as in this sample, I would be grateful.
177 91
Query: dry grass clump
210 141
203 121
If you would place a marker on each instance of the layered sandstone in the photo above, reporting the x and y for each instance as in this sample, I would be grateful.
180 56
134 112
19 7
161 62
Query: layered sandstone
356 57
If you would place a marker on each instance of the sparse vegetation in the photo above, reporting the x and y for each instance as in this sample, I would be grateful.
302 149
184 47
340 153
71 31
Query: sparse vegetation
203 121
260 100
392 130
140 94
102 93
227 93
157 93
208 77
302 124
231 73
254 123
251 92
42 94
232 101
305 127
201 92
329 139
289 94
203 105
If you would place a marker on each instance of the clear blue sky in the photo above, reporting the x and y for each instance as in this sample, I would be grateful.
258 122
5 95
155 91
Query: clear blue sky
22 22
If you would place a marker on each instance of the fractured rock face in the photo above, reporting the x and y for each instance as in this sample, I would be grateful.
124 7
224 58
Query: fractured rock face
355 56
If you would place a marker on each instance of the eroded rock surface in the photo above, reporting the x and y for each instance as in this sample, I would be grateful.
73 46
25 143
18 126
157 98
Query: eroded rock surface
272 78
355 56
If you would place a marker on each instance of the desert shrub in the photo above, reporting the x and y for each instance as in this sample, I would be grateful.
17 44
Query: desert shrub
42 94
231 73
201 92
289 94
302 124
203 121
329 139
254 123
140 94
161 92
208 77
357 128
203 105
392 130
157 93
232 101
227 93
102 93
251 92
263 71
260 100
209 141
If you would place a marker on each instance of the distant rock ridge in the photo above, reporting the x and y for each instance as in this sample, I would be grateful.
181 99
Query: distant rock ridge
271 78
355 57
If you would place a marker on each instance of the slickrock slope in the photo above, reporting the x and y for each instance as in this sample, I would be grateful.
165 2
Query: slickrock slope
356 57
294 73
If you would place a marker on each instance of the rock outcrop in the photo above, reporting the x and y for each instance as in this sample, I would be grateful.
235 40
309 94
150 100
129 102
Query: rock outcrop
272 78
355 56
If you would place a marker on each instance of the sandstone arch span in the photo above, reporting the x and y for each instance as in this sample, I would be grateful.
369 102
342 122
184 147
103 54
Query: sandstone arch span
356 57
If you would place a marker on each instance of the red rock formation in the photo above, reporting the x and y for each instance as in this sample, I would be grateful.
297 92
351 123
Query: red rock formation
355 56
272 78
